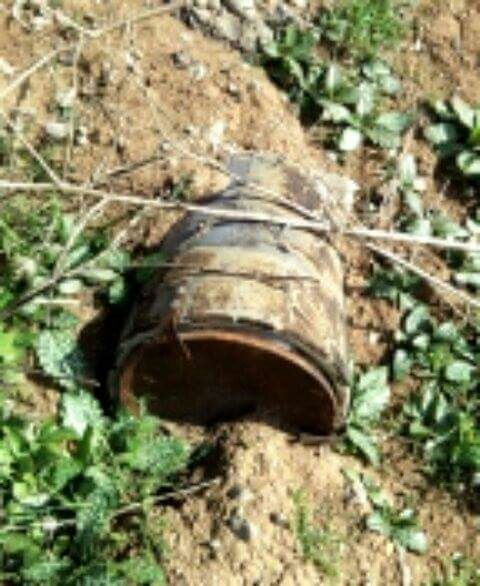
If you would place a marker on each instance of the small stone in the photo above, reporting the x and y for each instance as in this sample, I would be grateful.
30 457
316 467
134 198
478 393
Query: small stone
245 8
198 71
280 520
214 135
67 58
81 136
242 528
239 493
233 89
66 99
5 68
214 4
57 130
303 4
203 15
181 60
228 26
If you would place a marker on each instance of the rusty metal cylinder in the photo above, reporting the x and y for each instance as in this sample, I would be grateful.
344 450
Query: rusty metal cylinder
243 317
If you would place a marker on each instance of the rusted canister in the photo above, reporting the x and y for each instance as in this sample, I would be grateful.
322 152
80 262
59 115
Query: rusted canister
244 316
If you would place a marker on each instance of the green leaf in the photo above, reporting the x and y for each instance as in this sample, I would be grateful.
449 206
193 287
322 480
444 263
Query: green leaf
79 411
364 444
469 163
98 276
10 351
443 132
407 169
411 538
464 112
468 279
335 113
70 287
417 319
459 371
402 364
371 394
394 122
414 202
379 523
60 357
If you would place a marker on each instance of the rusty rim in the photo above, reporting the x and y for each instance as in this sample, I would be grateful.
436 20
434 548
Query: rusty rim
257 341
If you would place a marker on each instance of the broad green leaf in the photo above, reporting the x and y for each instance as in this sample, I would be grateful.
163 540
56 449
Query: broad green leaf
60 357
469 163
70 287
468 279
443 132
366 100
378 522
97 276
459 371
79 411
371 394
364 444
420 226
333 112
411 538
333 79
407 169
464 112
414 202
402 364
417 319
395 122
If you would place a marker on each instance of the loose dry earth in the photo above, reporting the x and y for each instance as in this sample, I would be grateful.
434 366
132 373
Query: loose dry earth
157 89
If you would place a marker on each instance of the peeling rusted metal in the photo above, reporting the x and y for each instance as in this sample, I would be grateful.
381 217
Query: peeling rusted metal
245 315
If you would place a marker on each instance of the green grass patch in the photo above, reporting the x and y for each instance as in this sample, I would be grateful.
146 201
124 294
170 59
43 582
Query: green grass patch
317 545
362 28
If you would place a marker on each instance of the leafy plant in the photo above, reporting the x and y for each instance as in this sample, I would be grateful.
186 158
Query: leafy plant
72 489
459 571
354 106
347 103
400 527
456 135
370 396
398 286
45 260
442 417
318 546
361 28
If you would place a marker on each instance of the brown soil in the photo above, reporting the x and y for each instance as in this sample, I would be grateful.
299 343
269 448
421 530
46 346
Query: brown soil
135 103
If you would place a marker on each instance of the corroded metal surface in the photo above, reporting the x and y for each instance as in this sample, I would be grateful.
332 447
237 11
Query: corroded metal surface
246 315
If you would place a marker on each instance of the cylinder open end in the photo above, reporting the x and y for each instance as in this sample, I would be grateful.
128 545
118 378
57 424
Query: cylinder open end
202 377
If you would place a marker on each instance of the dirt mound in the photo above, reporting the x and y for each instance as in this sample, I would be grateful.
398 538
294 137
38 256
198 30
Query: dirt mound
159 103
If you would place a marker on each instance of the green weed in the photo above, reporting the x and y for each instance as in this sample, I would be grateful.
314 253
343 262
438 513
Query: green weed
319 546
400 527
370 396
459 571
361 28
442 418
348 104
456 136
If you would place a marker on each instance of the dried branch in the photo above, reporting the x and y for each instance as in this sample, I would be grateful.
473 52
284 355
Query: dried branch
244 216
435 282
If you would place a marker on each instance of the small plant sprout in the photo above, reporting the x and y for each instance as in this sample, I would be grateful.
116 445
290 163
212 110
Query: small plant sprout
317 545
361 28
455 135
399 526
